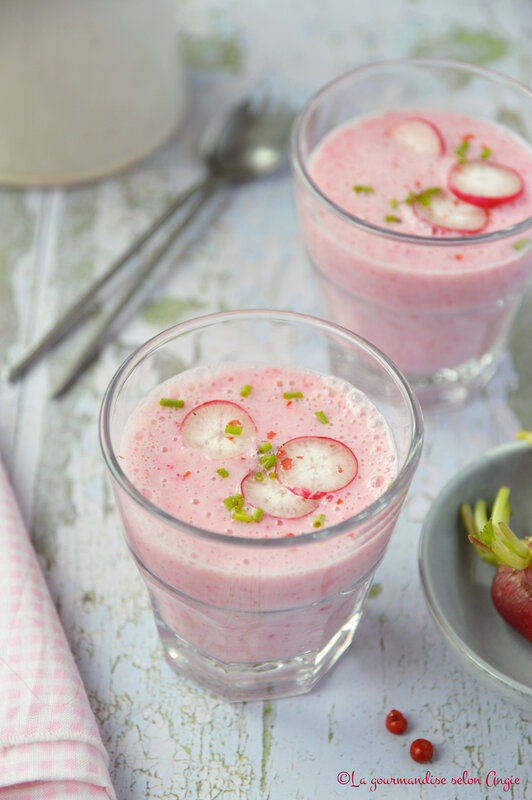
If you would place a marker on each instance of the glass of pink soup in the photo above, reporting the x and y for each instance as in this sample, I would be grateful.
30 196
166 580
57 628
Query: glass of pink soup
259 461
413 181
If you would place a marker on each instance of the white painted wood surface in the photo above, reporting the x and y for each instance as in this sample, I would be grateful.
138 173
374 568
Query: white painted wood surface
166 738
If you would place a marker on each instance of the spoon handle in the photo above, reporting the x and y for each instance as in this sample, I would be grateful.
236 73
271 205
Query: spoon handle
77 311
92 349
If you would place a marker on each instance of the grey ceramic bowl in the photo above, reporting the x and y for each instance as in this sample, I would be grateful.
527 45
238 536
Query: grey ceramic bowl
457 582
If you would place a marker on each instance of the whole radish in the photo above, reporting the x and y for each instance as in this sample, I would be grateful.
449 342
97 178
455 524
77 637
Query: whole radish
511 591
496 543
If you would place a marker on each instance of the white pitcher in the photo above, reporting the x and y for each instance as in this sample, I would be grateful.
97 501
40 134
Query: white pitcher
87 87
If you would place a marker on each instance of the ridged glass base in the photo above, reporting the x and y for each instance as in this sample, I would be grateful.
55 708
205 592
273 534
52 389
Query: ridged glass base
270 679
452 386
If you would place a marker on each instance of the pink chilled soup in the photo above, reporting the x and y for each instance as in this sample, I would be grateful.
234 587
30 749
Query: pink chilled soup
365 155
428 307
185 481
244 603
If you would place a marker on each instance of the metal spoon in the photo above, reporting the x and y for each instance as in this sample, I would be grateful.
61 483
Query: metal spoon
247 142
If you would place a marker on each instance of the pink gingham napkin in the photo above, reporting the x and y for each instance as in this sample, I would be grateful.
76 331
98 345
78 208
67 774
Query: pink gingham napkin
50 747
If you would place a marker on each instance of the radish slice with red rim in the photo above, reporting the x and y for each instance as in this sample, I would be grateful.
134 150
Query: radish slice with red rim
419 135
448 212
484 183
205 429
311 466
274 498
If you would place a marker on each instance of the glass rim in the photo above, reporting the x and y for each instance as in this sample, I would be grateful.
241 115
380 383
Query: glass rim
299 165
385 500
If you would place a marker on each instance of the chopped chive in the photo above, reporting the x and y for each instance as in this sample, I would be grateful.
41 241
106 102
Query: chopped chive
171 403
242 516
391 218
222 472
268 461
257 514
318 522
264 447
361 189
234 501
394 203
272 476
461 151
292 395
258 476
321 416
521 243
245 390
424 197
234 430
486 152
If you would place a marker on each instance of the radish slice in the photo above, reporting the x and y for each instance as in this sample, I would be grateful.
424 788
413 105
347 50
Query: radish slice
420 136
485 184
204 429
311 466
448 212
274 498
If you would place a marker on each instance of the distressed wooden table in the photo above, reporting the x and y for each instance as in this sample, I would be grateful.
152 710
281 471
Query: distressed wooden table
167 738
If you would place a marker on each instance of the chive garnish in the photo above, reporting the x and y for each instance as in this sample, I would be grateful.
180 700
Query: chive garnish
361 189
486 152
272 476
234 430
394 203
264 447
258 476
424 197
242 516
318 522
521 243
222 472
292 395
257 514
171 403
321 416
391 218
461 151
268 461
245 390
234 501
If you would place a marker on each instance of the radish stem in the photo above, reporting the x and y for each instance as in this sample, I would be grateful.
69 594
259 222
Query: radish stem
481 514
501 507
494 540
474 522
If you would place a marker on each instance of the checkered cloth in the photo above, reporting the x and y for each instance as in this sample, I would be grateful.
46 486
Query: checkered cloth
50 747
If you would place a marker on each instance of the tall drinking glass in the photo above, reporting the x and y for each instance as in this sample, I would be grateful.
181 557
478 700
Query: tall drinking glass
440 306
255 616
